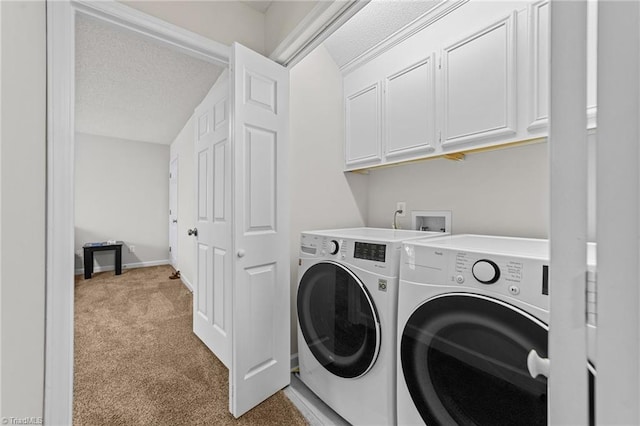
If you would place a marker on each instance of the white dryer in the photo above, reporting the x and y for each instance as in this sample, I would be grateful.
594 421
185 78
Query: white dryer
347 305
471 311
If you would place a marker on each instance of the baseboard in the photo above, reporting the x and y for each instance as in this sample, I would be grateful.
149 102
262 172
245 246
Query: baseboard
186 282
133 265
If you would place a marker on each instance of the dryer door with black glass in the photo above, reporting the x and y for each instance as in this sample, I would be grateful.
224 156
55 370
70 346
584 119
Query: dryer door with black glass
464 360
338 319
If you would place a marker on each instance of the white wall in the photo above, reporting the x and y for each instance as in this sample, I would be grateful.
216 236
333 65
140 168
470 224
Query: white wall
281 18
22 201
222 21
322 196
122 193
503 192
182 147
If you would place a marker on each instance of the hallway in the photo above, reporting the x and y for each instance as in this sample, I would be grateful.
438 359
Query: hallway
137 361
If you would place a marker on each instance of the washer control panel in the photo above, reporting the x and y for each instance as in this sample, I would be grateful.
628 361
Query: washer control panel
375 256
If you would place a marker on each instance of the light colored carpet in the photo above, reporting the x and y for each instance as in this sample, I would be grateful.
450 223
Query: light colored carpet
137 361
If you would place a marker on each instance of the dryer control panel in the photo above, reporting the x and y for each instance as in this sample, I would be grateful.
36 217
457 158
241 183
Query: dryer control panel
520 277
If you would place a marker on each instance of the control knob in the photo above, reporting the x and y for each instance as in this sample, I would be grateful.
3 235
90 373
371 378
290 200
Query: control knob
486 271
334 247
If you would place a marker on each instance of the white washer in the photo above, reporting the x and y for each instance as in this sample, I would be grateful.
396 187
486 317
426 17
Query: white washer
347 305
471 310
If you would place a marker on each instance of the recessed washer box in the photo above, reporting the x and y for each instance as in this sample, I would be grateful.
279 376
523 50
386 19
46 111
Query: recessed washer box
431 220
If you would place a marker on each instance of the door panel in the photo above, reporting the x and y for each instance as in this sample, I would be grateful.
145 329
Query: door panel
260 179
212 316
260 361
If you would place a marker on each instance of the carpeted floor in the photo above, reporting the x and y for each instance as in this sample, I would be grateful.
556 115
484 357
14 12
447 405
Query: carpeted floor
137 361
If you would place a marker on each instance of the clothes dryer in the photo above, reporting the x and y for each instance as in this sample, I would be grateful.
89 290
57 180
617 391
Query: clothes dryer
473 314
347 305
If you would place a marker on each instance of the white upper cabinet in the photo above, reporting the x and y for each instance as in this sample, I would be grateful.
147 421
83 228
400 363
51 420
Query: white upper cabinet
466 76
538 96
539 57
479 85
362 121
410 102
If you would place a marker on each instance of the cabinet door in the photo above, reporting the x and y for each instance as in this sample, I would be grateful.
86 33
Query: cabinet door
538 114
362 120
479 85
410 111
539 56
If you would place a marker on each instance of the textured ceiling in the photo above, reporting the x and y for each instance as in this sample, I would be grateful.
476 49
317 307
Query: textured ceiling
259 5
130 87
371 25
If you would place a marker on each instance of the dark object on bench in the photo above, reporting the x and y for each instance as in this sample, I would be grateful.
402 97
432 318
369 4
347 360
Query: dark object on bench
90 248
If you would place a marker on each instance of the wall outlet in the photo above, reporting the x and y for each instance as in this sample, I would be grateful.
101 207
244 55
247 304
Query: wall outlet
132 249
402 206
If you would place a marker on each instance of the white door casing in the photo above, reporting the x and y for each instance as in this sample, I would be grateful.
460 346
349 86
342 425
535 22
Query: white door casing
173 212
213 280
261 346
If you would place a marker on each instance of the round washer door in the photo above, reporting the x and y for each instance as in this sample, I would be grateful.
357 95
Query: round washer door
338 319
464 360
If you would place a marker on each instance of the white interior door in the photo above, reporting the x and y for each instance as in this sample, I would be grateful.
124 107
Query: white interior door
261 353
173 212
213 281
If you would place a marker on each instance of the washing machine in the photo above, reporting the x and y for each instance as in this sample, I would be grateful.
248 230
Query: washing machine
347 305
473 314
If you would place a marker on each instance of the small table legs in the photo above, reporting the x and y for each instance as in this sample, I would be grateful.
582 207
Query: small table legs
88 257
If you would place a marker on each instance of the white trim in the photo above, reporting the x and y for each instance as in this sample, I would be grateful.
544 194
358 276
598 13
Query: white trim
186 282
617 214
58 381
320 23
103 268
568 387
58 390
420 23
145 25
173 253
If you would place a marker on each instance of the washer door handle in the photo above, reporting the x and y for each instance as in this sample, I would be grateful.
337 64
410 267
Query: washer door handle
537 365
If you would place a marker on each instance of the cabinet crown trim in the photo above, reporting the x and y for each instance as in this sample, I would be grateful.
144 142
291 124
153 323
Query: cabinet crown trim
436 13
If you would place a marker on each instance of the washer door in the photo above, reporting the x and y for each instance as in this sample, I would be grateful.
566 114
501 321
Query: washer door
338 319
464 359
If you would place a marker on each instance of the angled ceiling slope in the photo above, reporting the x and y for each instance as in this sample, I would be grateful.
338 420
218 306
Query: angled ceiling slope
130 87
377 21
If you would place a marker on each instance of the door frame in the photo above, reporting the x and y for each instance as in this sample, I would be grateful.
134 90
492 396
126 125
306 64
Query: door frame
58 381
174 249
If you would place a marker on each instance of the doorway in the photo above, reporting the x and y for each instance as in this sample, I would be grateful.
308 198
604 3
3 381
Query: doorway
61 18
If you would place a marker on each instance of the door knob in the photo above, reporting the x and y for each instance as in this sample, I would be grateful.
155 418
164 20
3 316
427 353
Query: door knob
537 365
193 232
240 253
